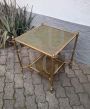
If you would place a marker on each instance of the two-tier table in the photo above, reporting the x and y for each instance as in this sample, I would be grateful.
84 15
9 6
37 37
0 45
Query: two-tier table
50 42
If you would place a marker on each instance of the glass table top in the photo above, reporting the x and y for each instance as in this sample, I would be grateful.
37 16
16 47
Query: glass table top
46 39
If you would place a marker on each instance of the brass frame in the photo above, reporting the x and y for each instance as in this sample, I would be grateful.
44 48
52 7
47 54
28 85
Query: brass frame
54 55
51 76
72 57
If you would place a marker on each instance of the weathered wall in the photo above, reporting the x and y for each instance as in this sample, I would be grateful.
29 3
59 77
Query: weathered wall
76 11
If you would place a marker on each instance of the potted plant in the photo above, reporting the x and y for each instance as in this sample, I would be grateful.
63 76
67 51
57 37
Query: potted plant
14 22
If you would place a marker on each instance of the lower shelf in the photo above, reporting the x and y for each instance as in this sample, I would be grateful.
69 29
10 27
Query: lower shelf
45 66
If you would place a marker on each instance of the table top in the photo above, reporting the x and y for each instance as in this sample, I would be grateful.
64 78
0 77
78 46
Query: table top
46 39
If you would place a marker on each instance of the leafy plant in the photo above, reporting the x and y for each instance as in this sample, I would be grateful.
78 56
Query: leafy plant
14 21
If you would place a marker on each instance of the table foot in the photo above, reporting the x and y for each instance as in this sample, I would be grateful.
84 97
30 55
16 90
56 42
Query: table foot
51 85
51 90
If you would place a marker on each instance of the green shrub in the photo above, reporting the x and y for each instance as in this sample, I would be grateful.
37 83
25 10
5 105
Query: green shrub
14 21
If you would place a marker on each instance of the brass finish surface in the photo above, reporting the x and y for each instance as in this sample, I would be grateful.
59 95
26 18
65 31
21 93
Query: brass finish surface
74 50
49 41
15 45
46 39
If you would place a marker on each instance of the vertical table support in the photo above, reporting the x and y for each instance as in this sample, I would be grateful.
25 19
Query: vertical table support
73 52
17 52
51 76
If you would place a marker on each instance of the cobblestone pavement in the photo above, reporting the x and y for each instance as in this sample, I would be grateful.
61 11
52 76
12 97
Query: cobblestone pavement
28 90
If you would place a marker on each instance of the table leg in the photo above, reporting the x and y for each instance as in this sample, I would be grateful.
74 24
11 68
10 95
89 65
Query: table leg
17 52
73 52
51 77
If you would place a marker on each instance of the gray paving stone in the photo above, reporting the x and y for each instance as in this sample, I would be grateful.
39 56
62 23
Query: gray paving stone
20 99
9 91
87 88
25 60
2 60
78 107
24 52
85 100
85 68
78 87
74 99
9 76
10 55
88 76
46 85
3 52
75 66
8 104
1 100
52 100
56 78
81 76
60 91
9 65
64 103
69 72
17 68
29 89
27 74
18 80
16 58
2 83
65 81
36 78
30 102
20 108
39 92
10 60
10 49
43 105
2 70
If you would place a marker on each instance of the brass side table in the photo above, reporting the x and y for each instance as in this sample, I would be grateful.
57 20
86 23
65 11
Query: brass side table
50 42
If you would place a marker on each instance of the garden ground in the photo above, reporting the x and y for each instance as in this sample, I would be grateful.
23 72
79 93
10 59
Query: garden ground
28 90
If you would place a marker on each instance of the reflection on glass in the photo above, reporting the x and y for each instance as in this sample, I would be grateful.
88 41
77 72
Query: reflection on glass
46 39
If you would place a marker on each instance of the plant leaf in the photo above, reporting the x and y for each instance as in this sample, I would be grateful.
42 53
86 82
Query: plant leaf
5 38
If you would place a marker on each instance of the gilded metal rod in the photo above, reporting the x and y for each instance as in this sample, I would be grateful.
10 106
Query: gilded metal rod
16 48
74 50
51 75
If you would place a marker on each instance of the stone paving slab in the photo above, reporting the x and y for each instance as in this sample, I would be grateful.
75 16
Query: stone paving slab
28 90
